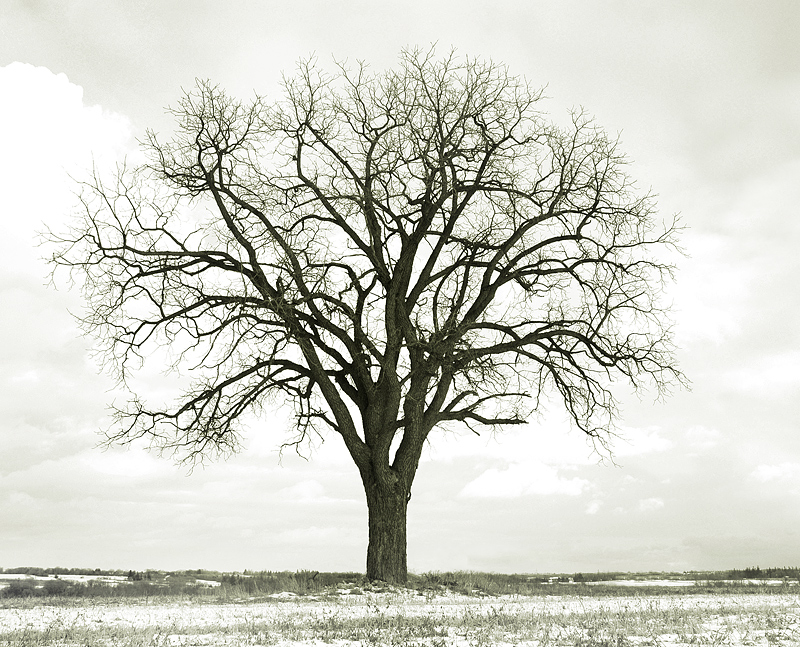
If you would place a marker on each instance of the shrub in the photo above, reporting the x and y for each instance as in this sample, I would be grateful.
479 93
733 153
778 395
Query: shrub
57 587
19 589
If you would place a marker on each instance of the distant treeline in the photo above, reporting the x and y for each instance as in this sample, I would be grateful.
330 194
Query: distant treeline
315 579
262 583
754 572
749 573
44 572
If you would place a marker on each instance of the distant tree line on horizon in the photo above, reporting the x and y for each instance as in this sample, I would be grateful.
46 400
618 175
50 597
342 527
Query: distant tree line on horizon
44 572
307 581
754 572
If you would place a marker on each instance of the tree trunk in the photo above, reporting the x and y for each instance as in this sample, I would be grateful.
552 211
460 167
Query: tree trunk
386 553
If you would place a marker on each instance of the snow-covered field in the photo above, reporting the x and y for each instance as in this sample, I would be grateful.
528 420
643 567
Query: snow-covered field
408 618
672 583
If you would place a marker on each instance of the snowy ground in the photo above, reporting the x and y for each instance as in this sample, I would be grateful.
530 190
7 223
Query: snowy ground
407 618
672 583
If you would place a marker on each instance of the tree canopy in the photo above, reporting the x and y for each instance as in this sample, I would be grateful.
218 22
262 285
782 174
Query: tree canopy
388 252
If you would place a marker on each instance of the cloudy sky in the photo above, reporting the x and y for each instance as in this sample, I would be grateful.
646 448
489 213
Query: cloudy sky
706 97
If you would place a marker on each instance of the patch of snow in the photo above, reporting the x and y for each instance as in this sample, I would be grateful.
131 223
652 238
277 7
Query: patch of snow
644 583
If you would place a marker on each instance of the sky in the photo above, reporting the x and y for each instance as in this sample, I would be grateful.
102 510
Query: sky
705 97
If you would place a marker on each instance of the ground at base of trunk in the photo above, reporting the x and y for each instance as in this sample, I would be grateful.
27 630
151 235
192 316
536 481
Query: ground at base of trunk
406 617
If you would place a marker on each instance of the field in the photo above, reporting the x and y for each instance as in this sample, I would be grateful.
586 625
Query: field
577 615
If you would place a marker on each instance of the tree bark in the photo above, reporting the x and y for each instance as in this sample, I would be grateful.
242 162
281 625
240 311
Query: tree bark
386 552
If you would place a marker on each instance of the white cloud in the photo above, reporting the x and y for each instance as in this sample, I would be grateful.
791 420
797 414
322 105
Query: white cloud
779 472
702 437
594 507
548 437
48 136
521 479
52 401
316 536
304 491
653 503
771 376
130 464
740 264
710 309
636 441
27 376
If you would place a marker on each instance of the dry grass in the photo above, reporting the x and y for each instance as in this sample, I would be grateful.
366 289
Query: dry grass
408 618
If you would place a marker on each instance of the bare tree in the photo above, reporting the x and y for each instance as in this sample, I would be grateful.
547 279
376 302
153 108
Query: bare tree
389 252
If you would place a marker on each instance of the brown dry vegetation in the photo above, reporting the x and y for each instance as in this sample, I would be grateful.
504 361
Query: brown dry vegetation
432 617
